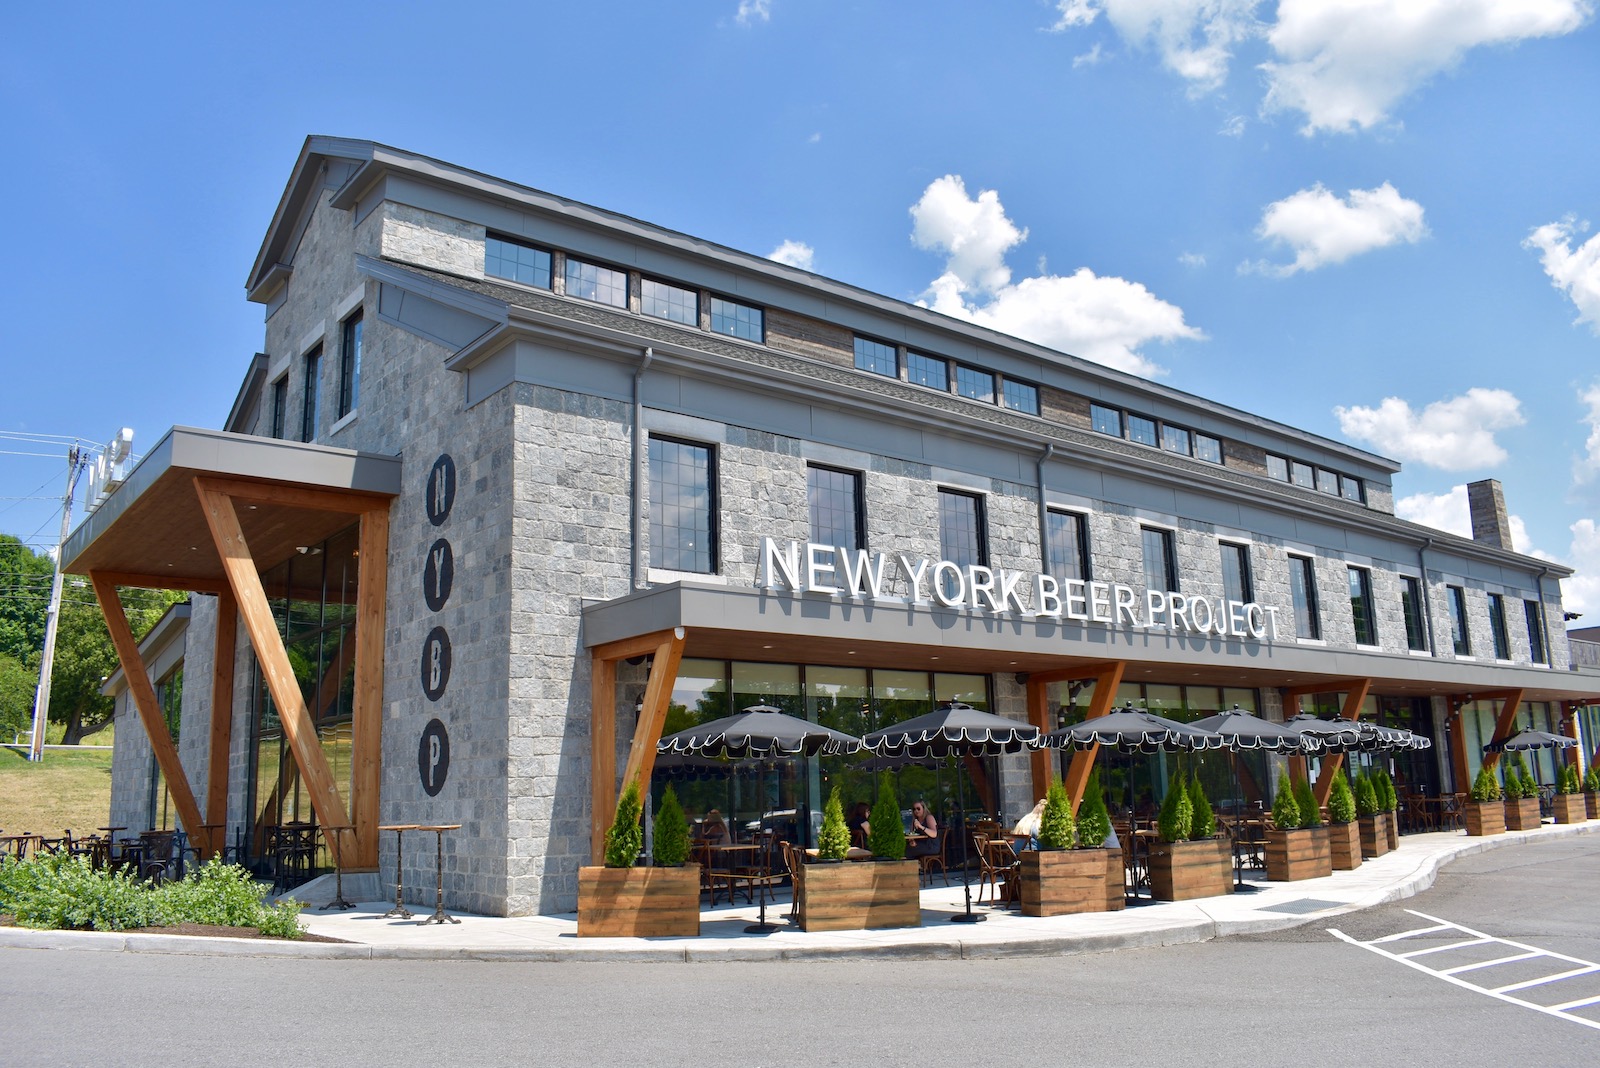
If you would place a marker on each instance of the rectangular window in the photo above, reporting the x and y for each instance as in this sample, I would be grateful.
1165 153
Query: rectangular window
1328 481
1141 430
603 285
683 506
310 399
1534 612
975 384
928 371
280 407
1497 627
1361 606
350 365
1411 609
1207 448
1175 439
1019 396
1106 420
1067 554
516 261
1302 475
1236 584
835 498
1160 566
1350 489
1303 590
738 320
1278 468
1458 621
876 357
961 535
666 301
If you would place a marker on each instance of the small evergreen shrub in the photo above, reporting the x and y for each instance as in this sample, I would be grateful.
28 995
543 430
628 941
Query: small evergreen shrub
1341 802
1306 801
1366 796
1485 786
1591 781
1567 780
1285 810
1094 822
669 837
1055 822
834 841
1203 823
1177 812
1388 800
625 837
886 838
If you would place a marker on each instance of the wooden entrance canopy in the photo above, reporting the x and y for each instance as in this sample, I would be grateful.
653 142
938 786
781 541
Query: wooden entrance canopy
207 512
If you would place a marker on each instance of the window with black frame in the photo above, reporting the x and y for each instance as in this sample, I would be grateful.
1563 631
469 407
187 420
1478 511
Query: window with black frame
1497 627
1303 592
836 514
1533 611
683 506
1361 617
1411 608
1160 562
1236 582
962 539
1067 548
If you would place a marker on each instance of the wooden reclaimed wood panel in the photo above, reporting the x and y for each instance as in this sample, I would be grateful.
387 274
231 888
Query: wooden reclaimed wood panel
1180 871
1059 882
639 902
1591 804
1391 827
1344 845
1570 808
856 896
805 336
366 720
1299 854
1116 889
1374 836
1485 818
1522 814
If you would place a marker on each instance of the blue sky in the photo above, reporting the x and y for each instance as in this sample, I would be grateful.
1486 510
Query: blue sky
1370 221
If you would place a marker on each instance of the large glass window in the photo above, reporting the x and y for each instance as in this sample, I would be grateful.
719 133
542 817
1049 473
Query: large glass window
876 357
975 384
1141 429
350 364
169 696
1458 621
1303 590
1327 481
1411 608
603 285
683 506
1106 420
1175 439
1302 475
738 320
962 540
1497 627
1278 468
1350 489
667 301
1361 606
1160 565
1236 583
280 407
1020 396
1208 448
1067 555
516 261
311 395
1534 613
835 498
928 371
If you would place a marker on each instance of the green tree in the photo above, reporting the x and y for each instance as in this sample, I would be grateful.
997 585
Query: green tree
1176 818
1366 796
1310 811
1094 822
85 656
669 840
17 685
1485 787
1055 822
1285 809
1341 802
834 841
886 838
1203 824
625 837
24 600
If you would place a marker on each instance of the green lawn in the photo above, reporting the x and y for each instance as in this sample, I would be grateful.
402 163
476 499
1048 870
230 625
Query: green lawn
67 789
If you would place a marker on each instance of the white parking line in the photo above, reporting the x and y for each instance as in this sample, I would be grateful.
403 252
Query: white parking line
1475 938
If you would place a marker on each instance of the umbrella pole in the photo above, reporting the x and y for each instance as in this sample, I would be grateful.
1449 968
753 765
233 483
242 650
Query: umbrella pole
966 874
761 926
1239 885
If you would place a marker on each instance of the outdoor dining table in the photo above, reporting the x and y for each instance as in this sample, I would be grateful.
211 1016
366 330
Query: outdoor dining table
439 914
732 854
399 912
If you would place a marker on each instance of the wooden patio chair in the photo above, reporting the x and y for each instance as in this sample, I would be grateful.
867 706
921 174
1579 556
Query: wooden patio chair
934 857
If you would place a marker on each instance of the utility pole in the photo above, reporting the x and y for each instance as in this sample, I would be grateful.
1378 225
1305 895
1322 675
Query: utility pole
77 460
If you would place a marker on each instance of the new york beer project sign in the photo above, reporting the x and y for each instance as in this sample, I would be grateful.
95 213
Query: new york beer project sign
826 569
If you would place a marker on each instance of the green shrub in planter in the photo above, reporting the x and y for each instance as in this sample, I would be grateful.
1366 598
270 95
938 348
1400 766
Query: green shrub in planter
625 837
1517 771
886 838
1310 811
1366 796
1285 809
1177 812
1203 824
834 841
1341 802
1567 780
1591 781
1094 822
669 838
1485 786
1055 822
1388 800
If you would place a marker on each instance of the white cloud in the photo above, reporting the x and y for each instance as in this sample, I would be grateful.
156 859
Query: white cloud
814 138
1345 64
1587 467
1192 259
753 11
795 254
1320 229
1451 513
1088 59
1581 592
1194 38
1452 435
1575 272
1101 318
1233 127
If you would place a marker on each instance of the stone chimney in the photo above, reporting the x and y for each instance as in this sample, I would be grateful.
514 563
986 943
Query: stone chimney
1490 524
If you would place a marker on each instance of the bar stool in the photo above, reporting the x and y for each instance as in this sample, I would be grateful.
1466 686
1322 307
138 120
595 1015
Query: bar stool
439 914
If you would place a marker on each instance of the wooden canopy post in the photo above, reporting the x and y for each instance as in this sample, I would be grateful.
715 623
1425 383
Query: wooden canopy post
1039 761
144 699
366 707
1333 763
1107 676
666 649
1502 724
221 719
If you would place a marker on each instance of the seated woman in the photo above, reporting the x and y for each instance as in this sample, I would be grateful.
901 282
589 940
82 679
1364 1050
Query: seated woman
924 832
714 829
858 824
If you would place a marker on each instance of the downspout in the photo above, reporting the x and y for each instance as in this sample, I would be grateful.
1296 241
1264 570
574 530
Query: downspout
1427 596
1044 512
1544 631
641 459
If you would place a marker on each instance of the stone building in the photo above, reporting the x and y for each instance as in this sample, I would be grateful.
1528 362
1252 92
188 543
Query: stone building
516 483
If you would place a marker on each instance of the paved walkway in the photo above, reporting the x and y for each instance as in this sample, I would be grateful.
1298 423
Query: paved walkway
1400 874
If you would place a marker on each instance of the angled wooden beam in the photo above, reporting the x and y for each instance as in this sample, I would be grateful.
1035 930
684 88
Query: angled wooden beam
667 653
144 699
1091 670
1503 724
221 719
657 696
310 498
1105 696
1334 762
163 582
1040 760
298 729
639 645
1294 693
366 711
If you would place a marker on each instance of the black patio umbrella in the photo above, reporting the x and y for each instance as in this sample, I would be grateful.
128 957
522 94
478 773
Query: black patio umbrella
690 767
954 729
1335 735
1525 741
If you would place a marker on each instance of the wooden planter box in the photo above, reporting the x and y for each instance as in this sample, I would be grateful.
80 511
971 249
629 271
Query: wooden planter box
1570 808
1180 871
639 902
1116 873
856 896
1391 826
1522 814
1299 854
1344 845
1591 802
1058 882
1485 817
1374 832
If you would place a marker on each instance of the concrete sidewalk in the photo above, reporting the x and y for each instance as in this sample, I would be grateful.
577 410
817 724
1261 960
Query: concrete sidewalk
1273 906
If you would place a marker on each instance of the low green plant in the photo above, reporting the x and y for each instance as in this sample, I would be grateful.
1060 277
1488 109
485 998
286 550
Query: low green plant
1203 824
833 843
1591 781
1285 809
1177 812
1055 822
1310 811
1094 822
1516 771
1341 802
1388 800
1567 780
669 834
1485 785
625 837
1366 796
886 836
